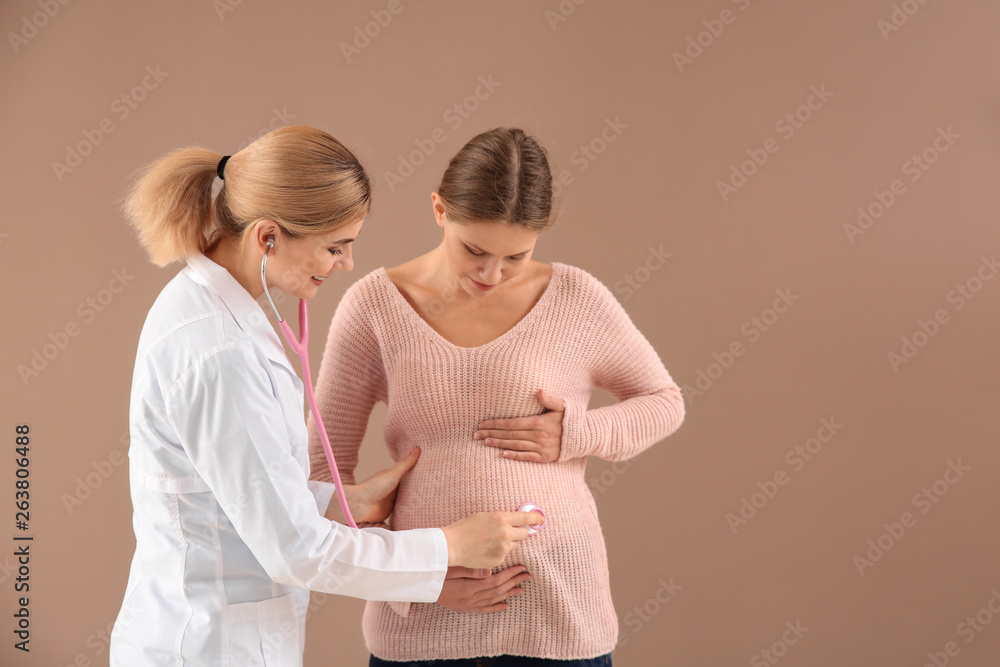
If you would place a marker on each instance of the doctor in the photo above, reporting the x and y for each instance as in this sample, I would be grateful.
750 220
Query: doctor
229 533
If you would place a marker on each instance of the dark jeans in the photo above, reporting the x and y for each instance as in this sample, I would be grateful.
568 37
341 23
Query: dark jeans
498 661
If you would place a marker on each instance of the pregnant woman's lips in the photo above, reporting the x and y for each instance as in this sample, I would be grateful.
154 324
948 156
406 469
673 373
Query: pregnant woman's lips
485 288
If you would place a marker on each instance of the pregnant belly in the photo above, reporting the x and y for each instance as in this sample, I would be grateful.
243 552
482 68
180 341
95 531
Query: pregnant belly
568 594
449 484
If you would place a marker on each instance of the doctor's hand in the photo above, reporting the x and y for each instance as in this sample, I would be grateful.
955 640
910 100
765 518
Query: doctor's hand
478 591
371 501
485 539
537 438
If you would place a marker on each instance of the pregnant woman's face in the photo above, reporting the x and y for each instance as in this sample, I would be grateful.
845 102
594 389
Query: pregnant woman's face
484 255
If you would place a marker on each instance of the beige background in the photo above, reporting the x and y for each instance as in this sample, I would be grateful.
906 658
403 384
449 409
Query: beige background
227 75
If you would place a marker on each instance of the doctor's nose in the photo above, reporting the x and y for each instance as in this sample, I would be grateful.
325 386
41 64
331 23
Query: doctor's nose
346 261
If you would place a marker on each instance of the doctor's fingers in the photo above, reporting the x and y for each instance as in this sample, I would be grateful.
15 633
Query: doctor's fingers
407 461
520 522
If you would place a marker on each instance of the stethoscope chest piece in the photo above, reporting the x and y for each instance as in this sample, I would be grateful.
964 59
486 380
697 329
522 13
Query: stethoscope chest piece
531 507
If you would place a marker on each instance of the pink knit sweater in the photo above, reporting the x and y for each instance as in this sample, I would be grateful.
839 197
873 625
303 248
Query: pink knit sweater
577 336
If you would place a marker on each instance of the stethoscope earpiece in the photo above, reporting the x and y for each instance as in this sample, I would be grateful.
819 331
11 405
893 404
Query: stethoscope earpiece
263 278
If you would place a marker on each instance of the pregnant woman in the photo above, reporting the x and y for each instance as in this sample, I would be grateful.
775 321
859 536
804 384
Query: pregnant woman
486 360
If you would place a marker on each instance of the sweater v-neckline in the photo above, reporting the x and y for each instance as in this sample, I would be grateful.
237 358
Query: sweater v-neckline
540 304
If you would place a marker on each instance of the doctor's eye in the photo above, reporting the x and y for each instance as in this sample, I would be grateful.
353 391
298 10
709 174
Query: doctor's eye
336 251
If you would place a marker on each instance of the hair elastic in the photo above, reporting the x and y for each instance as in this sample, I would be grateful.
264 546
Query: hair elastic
222 166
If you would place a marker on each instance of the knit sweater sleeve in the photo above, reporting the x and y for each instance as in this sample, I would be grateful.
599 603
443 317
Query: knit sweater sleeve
350 382
625 364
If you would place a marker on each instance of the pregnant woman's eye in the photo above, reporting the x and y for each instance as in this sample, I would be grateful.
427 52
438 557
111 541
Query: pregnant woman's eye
336 251
474 254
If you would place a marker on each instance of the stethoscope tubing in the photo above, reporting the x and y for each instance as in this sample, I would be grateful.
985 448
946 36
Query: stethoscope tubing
300 345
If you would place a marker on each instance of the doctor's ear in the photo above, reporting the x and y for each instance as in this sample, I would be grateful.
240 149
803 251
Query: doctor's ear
265 233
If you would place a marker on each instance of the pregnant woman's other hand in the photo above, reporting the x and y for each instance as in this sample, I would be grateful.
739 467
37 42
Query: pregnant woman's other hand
537 438
478 591
371 501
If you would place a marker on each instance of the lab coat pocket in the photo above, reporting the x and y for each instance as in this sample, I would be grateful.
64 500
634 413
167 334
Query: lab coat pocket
265 633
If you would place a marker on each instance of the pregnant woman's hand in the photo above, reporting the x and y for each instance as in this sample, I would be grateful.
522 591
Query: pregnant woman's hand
478 591
371 501
537 438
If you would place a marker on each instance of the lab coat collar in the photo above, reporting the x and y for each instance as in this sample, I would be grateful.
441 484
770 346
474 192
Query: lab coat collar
246 311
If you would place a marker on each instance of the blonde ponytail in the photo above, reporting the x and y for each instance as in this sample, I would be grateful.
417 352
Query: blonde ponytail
298 176
170 207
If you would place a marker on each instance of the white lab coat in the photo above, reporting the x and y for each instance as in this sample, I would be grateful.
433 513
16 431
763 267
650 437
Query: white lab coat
229 531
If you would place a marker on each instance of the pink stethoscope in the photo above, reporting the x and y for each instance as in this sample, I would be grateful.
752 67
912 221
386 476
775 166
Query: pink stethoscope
300 345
